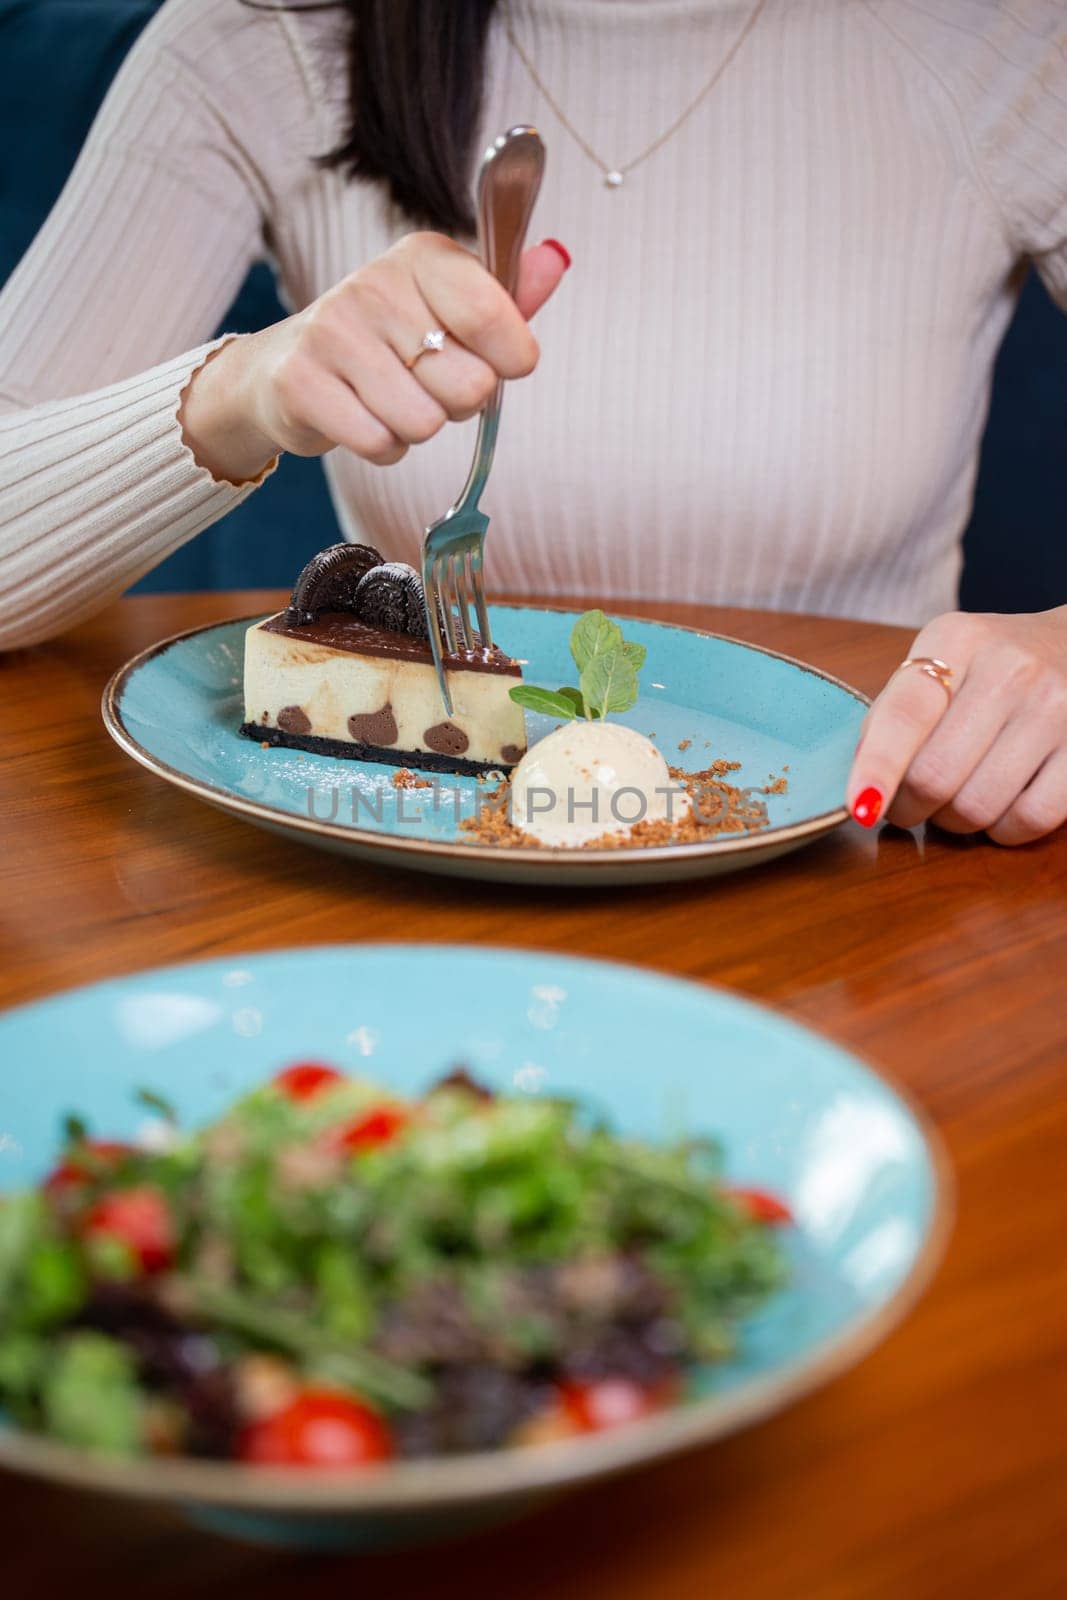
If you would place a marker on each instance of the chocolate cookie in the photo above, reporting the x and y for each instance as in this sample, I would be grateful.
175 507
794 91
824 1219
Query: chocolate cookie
390 596
330 580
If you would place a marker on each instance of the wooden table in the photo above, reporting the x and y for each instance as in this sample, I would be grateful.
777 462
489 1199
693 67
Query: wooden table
939 1467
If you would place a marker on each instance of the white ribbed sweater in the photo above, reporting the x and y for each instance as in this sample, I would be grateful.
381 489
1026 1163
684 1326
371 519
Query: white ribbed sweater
763 382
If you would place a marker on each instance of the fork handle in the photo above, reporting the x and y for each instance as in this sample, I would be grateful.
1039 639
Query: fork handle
508 186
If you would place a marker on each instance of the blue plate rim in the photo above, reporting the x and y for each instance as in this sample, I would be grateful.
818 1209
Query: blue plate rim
390 844
502 1476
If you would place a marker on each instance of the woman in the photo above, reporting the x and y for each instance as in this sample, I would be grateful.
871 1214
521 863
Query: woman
797 230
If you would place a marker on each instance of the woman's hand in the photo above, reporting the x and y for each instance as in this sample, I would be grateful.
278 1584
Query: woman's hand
335 373
994 755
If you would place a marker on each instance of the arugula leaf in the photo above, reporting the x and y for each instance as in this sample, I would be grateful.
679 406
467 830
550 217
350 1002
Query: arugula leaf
346 1363
75 1129
609 683
91 1396
23 1361
152 1101
546 700
55 1284
23 1227
110 1258
344 1293
593 634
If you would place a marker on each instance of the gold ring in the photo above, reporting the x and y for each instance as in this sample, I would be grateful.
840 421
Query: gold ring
433 341
931 667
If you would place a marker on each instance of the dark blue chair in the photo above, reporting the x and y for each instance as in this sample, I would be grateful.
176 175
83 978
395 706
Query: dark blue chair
57 58
1015 547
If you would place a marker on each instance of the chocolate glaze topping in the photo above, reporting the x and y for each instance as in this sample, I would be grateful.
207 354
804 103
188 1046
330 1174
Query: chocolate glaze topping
340 630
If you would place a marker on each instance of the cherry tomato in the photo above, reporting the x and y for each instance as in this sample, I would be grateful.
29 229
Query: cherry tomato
140 1219
762 1206
373 1128
85 1162
305 1079
608 1402
319 1428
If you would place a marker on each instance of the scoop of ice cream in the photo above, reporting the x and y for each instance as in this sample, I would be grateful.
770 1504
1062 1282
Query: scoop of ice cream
590 778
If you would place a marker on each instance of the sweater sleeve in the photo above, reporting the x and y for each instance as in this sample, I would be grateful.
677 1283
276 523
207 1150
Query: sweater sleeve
105 320
1004 63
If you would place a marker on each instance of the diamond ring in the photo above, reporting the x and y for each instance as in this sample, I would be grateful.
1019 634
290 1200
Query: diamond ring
432 341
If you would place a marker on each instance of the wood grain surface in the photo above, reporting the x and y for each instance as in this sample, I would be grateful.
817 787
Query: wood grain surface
936 1469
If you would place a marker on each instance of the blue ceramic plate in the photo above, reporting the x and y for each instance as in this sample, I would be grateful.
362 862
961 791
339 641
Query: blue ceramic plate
794 1113
177 707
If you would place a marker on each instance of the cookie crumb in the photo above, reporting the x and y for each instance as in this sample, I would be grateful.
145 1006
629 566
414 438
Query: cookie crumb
403 778
685 743
718 808
491 824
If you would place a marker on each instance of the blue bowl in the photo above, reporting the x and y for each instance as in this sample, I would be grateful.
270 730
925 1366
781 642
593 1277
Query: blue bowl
795 1114
176 709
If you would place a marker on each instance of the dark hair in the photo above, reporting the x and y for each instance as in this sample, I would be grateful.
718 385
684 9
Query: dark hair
416 72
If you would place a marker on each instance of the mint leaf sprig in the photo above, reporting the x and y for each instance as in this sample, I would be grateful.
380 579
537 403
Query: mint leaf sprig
607 666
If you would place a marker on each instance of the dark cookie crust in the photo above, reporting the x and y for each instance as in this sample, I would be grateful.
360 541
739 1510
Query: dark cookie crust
424 759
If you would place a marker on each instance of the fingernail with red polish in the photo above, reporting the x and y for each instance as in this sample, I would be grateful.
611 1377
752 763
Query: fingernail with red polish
561 250
867 807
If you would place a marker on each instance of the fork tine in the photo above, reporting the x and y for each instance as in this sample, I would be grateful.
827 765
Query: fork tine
479 597
448 590
463 603
431 583
444 600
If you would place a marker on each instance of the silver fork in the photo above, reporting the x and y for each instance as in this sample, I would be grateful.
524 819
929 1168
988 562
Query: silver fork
508 185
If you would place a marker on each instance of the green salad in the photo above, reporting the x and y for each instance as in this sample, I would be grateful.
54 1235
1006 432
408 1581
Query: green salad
330 1275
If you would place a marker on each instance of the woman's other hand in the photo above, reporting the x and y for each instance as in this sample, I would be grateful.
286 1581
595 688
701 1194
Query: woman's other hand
992 756
335 373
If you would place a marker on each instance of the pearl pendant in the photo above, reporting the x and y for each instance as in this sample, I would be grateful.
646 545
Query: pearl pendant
613 179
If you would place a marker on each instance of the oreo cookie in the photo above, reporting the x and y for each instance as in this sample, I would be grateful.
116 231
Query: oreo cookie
390 596
331 580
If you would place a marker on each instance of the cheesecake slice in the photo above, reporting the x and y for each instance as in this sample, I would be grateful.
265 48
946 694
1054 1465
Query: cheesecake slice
347 670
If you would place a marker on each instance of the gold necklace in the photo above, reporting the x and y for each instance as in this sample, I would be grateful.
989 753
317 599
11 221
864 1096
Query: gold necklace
614 175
